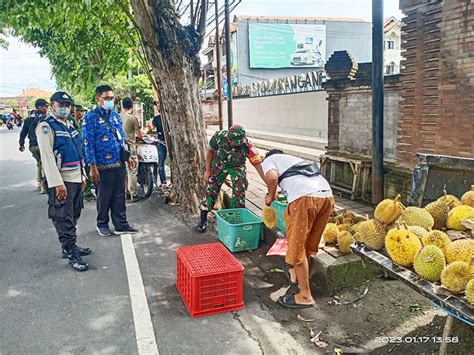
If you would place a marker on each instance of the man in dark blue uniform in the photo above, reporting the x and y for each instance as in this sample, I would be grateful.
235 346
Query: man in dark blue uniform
61 155
29 130
103 139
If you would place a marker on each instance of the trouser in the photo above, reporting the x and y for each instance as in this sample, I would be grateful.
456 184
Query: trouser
305 220
131 177
162 152
89 185
110 193
239 185
35 152
65 213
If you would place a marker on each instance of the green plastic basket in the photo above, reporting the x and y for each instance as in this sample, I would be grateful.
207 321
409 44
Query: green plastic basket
239 229
280 209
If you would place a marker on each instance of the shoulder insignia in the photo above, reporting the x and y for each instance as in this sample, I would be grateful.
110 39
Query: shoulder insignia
45 129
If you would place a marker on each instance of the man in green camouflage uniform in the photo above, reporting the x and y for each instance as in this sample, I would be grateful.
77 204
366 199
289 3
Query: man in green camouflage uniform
226 155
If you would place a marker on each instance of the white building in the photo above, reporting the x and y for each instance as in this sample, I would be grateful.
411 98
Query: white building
392 46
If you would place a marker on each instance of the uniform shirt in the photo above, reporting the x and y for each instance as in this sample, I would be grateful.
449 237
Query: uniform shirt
101 147
131 127
29 128
54 176
296 186
233 156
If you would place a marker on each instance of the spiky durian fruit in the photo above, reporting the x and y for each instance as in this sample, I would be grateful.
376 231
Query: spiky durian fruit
455 276
388 211
439 210
453 200
348 218
269 216
418 231
330 233
438 238
470 292
415 216
344 241
356 226
402 246
372 233
468 197
460 250
429 263
457 214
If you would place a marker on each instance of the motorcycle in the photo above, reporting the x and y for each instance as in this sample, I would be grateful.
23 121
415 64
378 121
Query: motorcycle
148 160
9 124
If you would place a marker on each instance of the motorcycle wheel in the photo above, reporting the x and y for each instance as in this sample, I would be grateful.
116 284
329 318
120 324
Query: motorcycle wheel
148 182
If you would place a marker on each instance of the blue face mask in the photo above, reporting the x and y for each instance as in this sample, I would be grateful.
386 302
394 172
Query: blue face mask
109 104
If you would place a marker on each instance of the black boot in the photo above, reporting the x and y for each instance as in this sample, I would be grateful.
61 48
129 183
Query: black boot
74 259
201 228
82 252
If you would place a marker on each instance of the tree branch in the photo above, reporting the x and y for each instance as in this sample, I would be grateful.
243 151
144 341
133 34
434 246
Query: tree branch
201 29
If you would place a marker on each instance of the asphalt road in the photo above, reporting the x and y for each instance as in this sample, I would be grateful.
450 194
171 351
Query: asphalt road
46 308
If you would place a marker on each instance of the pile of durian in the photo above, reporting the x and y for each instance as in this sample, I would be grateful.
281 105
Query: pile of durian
417 238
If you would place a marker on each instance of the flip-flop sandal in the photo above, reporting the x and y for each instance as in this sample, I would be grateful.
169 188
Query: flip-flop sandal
288 301
286 272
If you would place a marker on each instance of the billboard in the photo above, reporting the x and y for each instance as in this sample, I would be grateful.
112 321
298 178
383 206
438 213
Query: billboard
276 45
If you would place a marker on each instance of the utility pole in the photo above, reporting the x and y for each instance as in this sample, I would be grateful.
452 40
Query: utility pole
377 102
230 118
218 71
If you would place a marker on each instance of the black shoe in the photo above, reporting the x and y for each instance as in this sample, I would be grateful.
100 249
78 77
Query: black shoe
75 261
202 226
82 252
104 231
128 230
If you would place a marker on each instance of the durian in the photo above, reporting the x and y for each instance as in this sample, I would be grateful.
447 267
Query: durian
418 231
429 263
348 218
344 241
455 276
372 233
330 233
460 250
457 214
415 216
402 246
438 238
468 197
269 216
470 292
452 200
439 210
388 211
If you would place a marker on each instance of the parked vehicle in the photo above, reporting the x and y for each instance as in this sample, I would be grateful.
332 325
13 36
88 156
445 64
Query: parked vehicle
148 160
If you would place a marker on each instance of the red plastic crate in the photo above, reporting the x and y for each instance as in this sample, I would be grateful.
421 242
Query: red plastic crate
209 279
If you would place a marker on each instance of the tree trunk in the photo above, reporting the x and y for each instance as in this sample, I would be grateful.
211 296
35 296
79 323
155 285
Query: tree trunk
175 66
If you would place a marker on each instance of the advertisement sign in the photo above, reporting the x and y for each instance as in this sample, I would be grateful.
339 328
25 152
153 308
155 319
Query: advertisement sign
275 45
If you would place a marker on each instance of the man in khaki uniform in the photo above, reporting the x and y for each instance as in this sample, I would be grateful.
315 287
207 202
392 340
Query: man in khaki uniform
132 130
62 158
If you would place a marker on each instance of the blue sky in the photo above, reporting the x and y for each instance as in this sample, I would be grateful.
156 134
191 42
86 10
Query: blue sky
21 66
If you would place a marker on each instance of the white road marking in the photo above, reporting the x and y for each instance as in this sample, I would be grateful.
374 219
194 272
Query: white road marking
146 342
